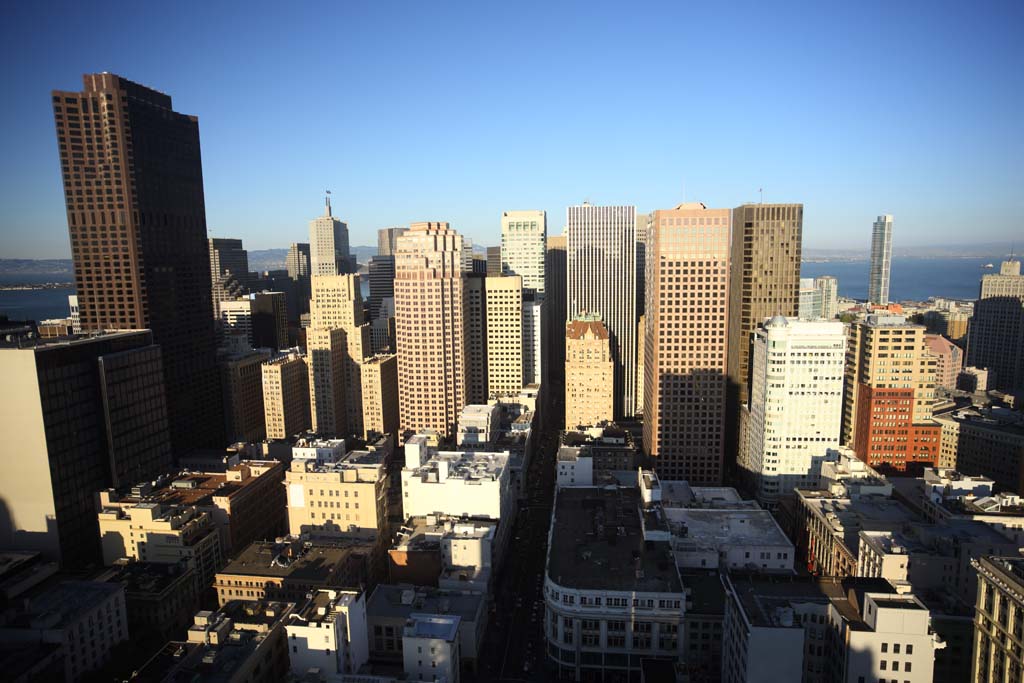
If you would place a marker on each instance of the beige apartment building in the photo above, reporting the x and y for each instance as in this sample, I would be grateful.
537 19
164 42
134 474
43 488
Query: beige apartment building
949 360
589 373
430 327
999 612
326 351
345 498
166 534
286 396
242 380
685 337
992 445
504 334
380 396
338 304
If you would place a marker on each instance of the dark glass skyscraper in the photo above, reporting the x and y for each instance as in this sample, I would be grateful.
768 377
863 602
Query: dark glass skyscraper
133 185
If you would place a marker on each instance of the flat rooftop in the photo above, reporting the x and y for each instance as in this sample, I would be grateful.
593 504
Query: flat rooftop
849 516
398 601
766 599
597 543
324 603
467 464
310 561
191 488
718 528
441 627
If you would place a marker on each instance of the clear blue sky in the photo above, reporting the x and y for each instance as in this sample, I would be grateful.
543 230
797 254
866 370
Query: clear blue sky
456 111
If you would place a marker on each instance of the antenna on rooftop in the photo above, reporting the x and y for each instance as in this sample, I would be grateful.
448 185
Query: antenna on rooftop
760 191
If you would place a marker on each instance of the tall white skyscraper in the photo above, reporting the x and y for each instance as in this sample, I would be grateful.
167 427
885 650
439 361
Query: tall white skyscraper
524 236
601 268
796 404
881 261
328 245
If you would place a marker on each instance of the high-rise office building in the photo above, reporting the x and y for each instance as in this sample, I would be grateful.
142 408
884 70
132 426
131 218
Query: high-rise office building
889 390
382 282
133 181
476 339
589 373
328 245
337 303
262 316
556 315
503 303
242 378
827 288
881 261
524 237
685 341
286 402
642 219
298 266
764 279
430 327
533 338
229 270
325 357
77 416
796 405
380 396
996 334
601 266
387 240
493 261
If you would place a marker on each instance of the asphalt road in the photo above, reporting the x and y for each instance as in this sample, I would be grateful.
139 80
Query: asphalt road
513 648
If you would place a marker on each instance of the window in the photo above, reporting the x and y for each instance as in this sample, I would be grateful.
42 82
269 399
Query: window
885 647
910 649
906 666
883 665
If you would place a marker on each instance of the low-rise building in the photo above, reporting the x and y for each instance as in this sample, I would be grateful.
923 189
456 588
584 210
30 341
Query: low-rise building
290 569
329 635
246 503
612 591
822 630
167 534
590 455
242 642
988 442
391 605
444 551
160 598
479 425
430 647
84 619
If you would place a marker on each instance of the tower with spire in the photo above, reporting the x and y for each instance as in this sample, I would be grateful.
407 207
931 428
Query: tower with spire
328 244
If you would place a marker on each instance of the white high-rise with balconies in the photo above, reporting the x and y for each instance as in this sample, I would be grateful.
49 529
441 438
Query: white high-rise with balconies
796 404
881 261
601 266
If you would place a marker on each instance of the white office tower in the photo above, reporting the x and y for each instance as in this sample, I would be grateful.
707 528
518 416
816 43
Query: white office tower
796 404
524 237
881 260
601 266
328 245
809 308
533 312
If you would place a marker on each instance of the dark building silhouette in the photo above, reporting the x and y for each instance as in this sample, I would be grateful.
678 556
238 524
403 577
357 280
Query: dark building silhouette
133 185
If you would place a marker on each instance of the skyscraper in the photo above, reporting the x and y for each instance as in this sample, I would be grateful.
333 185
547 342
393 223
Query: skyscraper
133 181
555 317
881 261
77 417
286 403
504 334
430 327
328 245
382 282
493 261
601 264
325 358
387 239
297 264
523 245
533 338
589 373
686 331
996 334
764 278
889 389
229 270
338 304
796 405
475 320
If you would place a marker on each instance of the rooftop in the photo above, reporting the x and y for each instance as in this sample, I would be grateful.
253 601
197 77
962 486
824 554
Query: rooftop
599 539
65 603
441 627
146 579
464 464
768 601
398 601
580 329
325 604
296 560
194 488
717 528
847 517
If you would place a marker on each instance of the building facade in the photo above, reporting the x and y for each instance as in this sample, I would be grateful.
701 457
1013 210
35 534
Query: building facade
133 176
503 306
601 271
430 327
328 245
325 357
589 373
881 261
286 402
999 612
685 352
229 270
380 396
524 237
996 333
